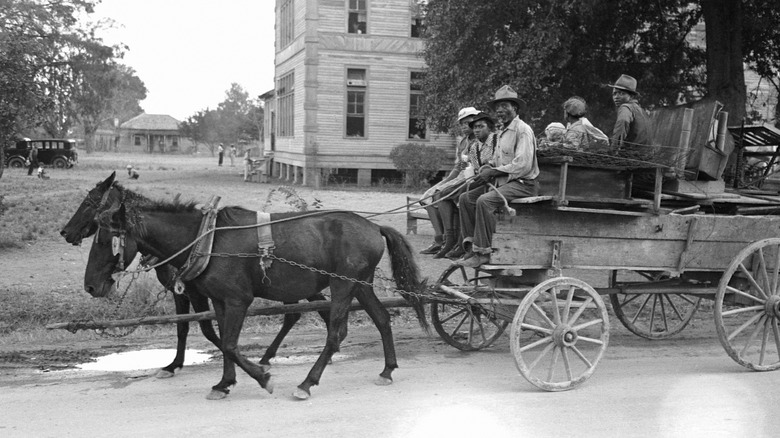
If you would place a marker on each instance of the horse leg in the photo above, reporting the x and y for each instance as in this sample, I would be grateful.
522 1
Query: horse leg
231 315
222 389
341 296
381 318
289 321
201 304
182 329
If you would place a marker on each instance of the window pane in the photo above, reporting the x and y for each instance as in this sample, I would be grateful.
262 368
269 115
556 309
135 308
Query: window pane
355 126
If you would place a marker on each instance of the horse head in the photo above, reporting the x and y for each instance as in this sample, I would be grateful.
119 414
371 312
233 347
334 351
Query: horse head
83 224
112 250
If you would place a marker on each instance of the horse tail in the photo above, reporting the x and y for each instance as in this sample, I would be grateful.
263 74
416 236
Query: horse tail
406 273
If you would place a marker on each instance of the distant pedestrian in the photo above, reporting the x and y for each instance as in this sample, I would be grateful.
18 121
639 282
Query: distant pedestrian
232 155
42 173
221 151
131 172
247 165
33 159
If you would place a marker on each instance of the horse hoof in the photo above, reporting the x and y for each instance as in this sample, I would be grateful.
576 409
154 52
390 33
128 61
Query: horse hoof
216 395
269 386
383 381
300 394
164 374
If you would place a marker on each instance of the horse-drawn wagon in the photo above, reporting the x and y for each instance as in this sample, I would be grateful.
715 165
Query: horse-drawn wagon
662 243
665 233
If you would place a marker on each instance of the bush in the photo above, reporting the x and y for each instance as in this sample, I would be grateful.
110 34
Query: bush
417 161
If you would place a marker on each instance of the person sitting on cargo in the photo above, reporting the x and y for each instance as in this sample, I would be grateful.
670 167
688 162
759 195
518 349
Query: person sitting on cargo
513 170
429 197
632 126
580 133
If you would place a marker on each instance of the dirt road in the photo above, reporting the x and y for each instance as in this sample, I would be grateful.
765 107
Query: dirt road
683 387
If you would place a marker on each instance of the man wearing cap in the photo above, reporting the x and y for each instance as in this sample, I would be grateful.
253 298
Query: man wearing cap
513 169
440 245
632 126
580 133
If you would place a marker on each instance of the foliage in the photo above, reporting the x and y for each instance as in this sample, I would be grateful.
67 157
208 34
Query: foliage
550 50
55 72
291 198
237 119
417 161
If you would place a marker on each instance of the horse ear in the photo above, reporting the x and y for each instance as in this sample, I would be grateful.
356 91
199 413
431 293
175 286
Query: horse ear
110 180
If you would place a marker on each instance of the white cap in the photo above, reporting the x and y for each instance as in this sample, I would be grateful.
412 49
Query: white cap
466 112
555 126
129 166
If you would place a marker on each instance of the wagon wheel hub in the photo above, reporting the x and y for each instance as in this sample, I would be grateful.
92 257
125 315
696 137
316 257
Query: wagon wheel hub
564 336
772 306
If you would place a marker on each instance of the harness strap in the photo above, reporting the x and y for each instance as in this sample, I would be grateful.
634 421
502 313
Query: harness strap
200 254
265 241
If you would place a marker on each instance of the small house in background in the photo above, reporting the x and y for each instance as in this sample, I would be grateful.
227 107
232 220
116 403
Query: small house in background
150 133
348 89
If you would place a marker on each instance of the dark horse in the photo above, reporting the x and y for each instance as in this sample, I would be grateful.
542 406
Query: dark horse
336 249
83 225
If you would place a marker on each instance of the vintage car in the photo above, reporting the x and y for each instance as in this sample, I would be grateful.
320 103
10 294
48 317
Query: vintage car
53 152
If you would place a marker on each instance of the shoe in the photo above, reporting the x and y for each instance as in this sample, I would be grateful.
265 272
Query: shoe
474 261
446 248
433 249
455 253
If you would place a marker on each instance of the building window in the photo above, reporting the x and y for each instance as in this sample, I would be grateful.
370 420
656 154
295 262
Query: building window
175 142
137 140
356 102
416 100
418 22
286 23
286 92
357 21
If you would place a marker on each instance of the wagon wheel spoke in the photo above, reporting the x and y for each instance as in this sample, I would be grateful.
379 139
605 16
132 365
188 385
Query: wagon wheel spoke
744 294
652 311
536 344
567 306
536 328
579 312
627 301
554 302
776 271
566 364
776 331
764 338
748 323
642 307
542 354
685 297
461 311
752 280
765 274
742 310
671 304
590 340
543 315
752 337
553 363
471 327
587 324
581 356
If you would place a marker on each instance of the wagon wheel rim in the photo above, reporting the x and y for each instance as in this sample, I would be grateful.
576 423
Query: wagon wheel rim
557 347
463 326
654 316
747 306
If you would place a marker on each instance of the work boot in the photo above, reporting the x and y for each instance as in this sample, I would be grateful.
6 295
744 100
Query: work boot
475 261
435 246
450 241
456 252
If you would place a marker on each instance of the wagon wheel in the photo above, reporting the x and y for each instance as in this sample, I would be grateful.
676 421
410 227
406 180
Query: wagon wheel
559 333
747 306
465 327
654 316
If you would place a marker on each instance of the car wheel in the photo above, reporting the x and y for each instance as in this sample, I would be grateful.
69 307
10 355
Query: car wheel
16 162
59 163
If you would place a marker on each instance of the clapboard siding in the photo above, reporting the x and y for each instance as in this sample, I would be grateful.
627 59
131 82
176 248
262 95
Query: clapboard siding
389 17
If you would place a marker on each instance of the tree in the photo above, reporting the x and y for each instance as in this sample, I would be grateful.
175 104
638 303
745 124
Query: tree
202 128
552 49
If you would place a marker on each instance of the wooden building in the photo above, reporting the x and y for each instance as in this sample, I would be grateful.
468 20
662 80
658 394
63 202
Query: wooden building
150 133
347 91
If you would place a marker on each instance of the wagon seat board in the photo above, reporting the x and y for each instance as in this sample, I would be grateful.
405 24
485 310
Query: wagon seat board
589 240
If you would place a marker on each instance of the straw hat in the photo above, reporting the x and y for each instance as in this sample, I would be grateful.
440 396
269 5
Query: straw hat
626 83
506 93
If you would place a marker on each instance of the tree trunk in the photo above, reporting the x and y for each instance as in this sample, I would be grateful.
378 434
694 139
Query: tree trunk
2 157
725 71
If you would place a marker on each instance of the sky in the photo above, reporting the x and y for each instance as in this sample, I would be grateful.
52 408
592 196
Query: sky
188 52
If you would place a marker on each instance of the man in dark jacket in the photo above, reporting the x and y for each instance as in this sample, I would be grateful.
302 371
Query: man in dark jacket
33 159
632 126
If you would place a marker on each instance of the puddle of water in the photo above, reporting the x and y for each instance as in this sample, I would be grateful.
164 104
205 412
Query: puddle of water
142 360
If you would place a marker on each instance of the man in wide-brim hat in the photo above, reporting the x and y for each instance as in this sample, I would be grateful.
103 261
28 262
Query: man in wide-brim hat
632 126
513 171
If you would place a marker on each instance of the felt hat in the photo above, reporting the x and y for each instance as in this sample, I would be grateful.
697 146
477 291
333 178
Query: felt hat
467 112
506 93
480 116
575 106
625 83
